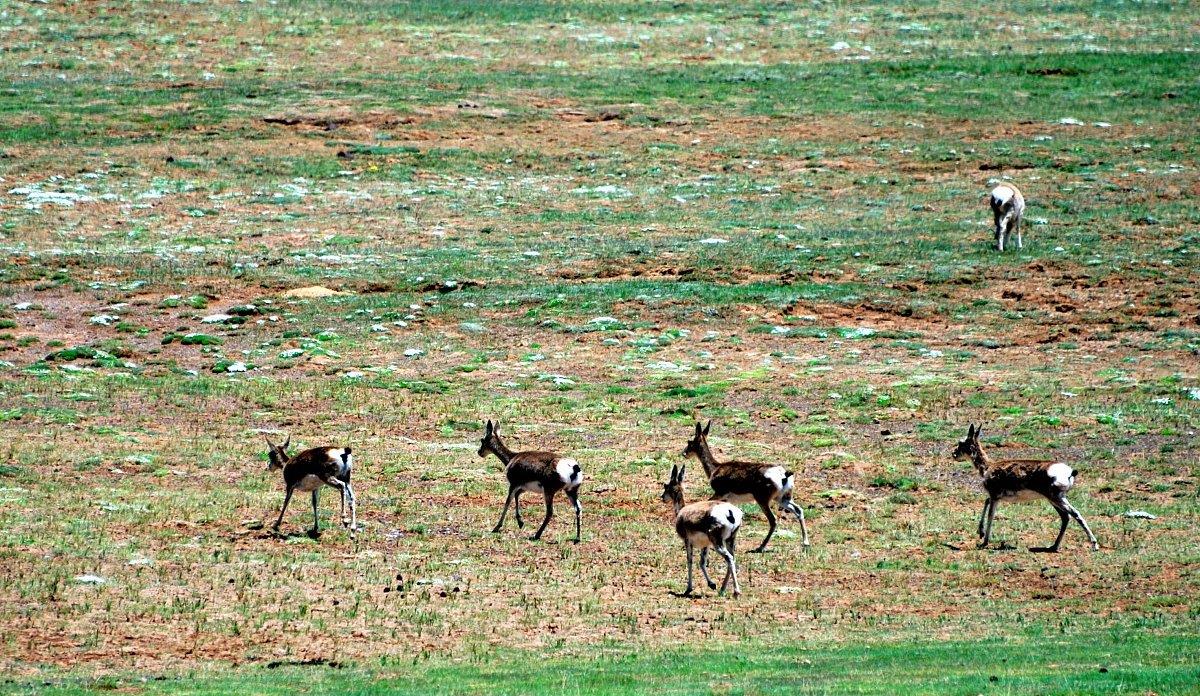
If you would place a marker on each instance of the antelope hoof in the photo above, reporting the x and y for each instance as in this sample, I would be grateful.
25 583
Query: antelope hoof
496 529
536 537
712 586
314 533
346 522
1095 546
761 549
520 524
736 594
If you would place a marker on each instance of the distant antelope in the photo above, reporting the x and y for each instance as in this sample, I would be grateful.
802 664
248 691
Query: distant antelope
308 471
1008 205
745 481
1018 480
707 524
544 472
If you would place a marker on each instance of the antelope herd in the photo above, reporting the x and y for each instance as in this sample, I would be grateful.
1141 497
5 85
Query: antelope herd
707 524
714 523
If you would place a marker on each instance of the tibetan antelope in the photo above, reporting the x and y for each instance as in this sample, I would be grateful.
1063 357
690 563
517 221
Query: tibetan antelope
1018 480
1008 206
707 524
308 471
738 482
543 472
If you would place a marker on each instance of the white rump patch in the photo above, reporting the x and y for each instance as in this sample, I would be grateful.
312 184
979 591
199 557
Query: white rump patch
722 512
566 472
778 476
1002 194
1062 475
335 455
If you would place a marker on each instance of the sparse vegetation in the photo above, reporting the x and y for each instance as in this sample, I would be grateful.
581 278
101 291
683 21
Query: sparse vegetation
383 223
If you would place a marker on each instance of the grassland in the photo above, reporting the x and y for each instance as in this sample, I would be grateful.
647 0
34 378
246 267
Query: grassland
595 222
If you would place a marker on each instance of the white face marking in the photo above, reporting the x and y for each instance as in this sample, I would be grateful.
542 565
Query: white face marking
1062 475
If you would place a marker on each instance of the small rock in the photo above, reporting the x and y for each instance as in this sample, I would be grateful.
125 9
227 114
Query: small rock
90 579
312 291
216 318
246 310
413 352
1140 515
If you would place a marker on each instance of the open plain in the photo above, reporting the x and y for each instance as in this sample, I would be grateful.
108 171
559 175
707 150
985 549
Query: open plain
378 224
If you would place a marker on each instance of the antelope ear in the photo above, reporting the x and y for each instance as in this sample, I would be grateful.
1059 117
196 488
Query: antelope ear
699 429
978 429
674 472
496 428
487 427
286 444
681 470
970 430
707 428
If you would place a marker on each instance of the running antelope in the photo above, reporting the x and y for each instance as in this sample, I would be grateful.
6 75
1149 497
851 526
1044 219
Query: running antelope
543 472
738 482
1008 206
707 524
308 471
1018 480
